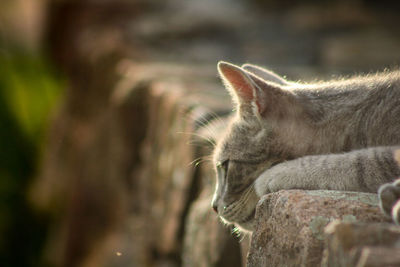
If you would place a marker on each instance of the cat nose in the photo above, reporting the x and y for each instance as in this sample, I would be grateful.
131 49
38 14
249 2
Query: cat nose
215 207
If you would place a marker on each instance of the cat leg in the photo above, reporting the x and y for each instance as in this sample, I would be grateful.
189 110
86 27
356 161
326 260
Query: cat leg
389 198
361 170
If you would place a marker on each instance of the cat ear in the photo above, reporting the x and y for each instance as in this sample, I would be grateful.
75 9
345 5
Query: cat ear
256 96
244 90
265 74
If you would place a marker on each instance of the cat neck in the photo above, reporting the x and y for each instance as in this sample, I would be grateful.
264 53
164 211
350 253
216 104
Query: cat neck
303 137
342 116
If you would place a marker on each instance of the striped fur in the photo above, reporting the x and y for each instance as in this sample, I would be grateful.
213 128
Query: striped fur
337 135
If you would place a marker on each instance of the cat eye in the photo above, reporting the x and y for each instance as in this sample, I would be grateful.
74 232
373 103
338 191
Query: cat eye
223 166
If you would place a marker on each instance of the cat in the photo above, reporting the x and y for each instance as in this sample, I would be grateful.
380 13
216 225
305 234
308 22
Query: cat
389 196
335 135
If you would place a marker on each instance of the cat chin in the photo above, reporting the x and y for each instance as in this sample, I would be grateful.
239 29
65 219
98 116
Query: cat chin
396 212
246 227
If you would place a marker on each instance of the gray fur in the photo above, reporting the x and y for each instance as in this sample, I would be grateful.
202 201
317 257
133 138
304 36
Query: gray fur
389 196
390 199
267 75
337 135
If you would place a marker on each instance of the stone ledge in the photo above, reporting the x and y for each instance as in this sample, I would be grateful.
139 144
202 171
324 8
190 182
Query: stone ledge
290 224
361 244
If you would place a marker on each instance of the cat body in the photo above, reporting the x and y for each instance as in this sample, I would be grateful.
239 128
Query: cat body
337 135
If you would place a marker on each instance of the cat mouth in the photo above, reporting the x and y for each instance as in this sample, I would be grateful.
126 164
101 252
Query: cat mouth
249 217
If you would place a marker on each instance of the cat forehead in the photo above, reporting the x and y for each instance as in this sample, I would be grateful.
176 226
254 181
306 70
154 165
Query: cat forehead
232 136
239 140
243 128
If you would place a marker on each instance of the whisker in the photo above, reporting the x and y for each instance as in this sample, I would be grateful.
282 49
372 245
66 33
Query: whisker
198 161
206 120
195 161
236 206
199 136
242 237
197 143
236 231
211 142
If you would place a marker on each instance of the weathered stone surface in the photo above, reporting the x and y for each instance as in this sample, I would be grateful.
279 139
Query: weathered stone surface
290 224
207 242
167 183
88 178
353 51
125 171
361 244
116 174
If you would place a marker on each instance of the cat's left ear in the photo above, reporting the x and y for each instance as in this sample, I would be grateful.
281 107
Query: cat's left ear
256 96
244 91
265 74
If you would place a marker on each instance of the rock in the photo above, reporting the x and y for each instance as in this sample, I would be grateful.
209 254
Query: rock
339 15
116 173
166 183
361 244
207 242
353 51
125 172
88 182
22 22
290 224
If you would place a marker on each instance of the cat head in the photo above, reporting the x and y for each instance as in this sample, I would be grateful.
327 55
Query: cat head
253 141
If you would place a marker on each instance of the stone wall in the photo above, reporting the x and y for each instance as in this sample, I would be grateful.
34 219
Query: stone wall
120 175
128 178
290 228
149 202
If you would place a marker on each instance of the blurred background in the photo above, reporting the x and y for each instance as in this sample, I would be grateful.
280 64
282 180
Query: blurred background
80 164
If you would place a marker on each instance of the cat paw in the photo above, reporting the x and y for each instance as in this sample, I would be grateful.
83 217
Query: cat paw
389 198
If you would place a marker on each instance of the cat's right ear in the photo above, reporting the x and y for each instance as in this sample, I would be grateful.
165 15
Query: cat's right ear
264 74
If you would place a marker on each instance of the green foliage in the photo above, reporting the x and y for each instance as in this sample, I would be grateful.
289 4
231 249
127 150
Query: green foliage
29 90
